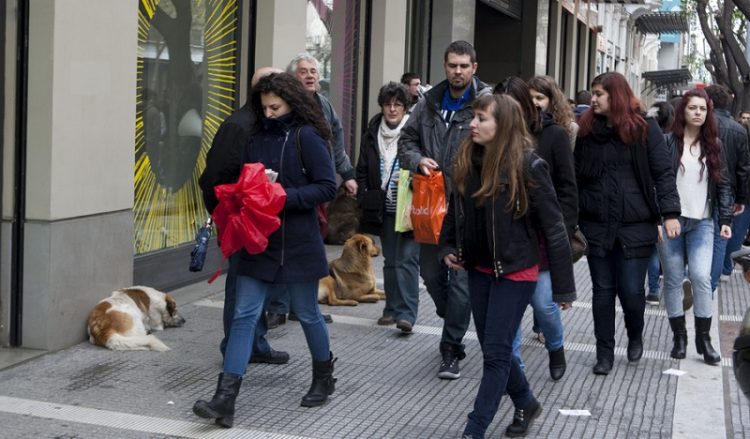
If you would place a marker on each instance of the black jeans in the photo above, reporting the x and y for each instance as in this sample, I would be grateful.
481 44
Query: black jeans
614 275
498 306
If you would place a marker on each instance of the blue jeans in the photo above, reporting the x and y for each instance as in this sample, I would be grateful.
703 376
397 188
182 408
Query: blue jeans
612 276
740 225
547 316
248 309
654 269
696 240
278 302
260 344
400 272
498 306
449 290
719 250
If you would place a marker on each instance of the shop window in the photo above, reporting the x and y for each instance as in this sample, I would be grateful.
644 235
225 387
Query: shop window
319 36
187 85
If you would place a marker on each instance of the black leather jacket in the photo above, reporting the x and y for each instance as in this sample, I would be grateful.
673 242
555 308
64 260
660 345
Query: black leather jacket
735 146
719 194
514 241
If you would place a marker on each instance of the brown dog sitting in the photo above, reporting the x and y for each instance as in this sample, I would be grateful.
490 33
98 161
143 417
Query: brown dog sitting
352 279
343 217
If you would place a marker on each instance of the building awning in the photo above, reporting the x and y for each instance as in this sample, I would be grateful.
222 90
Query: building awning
662 23
666 79
619 2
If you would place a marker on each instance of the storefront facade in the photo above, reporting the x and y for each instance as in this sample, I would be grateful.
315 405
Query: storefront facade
110 107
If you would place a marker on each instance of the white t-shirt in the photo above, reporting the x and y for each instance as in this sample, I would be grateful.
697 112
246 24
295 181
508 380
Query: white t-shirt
692 188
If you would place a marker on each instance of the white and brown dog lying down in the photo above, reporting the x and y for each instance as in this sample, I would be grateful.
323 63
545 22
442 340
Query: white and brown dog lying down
124 320
351 280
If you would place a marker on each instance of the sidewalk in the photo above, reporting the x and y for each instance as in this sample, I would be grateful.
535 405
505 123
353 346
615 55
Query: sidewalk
387 385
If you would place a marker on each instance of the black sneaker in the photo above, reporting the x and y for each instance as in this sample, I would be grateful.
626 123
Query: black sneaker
274 320
652 299
270 357
523 418
449 367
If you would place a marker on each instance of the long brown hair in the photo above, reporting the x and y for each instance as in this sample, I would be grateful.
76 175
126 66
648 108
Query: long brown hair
558 103
708 135
502 164
624 110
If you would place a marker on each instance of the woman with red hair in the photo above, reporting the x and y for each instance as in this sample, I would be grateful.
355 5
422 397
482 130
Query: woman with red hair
626 185
703 185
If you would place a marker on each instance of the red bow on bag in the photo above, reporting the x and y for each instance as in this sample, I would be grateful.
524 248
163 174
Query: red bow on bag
248 211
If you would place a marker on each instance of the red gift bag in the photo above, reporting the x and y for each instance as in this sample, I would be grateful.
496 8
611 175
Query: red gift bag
248 211
428 206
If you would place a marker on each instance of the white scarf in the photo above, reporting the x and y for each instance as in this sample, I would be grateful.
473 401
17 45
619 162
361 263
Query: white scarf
388 148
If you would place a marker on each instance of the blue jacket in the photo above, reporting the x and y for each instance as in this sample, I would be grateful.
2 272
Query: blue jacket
295 252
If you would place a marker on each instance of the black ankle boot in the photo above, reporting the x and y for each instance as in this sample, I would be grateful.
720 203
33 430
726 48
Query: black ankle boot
703 341
522 419
323 383
680 337
557 364
221 406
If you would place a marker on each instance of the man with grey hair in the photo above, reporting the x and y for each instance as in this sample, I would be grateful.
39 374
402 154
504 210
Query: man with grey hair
307 70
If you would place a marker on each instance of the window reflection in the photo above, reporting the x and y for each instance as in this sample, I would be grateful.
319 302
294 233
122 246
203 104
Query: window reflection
186 87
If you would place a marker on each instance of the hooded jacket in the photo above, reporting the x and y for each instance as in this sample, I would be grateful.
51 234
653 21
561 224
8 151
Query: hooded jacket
613 208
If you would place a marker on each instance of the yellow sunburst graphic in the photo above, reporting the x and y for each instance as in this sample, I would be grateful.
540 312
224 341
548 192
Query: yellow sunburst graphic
186 76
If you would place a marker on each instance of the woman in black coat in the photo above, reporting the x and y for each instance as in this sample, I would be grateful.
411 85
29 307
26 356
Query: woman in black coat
552 145
626 185
377 180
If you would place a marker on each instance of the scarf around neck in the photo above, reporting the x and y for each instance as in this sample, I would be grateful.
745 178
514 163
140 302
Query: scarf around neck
388 147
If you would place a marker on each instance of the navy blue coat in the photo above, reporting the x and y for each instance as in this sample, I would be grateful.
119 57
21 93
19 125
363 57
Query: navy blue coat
295 252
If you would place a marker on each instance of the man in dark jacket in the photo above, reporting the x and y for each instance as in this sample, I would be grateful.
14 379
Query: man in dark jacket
735 145
429 141
223 165
583 103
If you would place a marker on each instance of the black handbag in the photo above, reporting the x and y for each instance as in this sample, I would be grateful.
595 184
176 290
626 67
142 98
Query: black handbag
579 247
198 255
372 204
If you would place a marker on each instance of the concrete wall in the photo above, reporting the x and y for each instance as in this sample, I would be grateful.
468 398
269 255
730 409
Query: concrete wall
388 44
79 231
451 20
280 32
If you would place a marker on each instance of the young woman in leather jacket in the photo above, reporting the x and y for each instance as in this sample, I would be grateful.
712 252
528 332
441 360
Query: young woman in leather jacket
703 185
503 200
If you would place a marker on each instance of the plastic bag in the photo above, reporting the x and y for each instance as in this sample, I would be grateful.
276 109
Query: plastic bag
403 202
248 211
428 207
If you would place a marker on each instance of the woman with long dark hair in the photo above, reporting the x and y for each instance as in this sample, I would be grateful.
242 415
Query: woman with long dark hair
552 145
503 200
290 138
703 185
626 185
548 98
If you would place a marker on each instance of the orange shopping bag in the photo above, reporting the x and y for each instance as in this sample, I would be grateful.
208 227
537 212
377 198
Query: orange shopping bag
428 206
